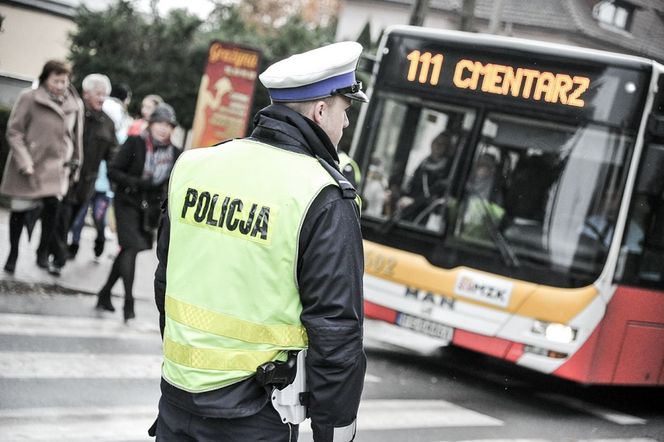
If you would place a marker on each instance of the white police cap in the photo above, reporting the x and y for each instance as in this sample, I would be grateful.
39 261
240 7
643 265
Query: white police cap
319 73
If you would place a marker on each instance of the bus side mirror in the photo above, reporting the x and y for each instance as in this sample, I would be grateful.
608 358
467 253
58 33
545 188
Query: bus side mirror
656 125
650 180
366 63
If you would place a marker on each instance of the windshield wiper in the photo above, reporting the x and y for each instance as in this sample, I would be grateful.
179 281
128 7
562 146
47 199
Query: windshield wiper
415 207
504 247
387 225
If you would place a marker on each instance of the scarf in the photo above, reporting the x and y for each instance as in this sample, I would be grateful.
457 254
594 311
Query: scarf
159 160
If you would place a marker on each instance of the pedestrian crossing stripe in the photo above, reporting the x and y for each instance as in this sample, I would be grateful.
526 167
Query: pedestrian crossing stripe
604 413
131 423
58 424
61 365
72 327
125 423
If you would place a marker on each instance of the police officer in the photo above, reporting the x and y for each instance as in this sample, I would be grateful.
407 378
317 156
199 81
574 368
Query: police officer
260 252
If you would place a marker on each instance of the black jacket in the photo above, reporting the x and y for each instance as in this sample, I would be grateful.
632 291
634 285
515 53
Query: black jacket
126 170
137 202
99 143
330 267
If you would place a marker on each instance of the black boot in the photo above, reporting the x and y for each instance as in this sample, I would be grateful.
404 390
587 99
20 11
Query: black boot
129 309
10 265
42 259
73 250
104 301
99 247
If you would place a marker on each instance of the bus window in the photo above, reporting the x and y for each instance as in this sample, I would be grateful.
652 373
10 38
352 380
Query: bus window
376 193
642 247
534 190
412 162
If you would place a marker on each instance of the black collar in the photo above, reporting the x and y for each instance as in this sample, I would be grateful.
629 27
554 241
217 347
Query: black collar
284 127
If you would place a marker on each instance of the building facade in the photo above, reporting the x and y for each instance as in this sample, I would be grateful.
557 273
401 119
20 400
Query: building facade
633 27
33 32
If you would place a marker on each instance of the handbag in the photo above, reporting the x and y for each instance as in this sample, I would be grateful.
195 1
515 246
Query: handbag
150 216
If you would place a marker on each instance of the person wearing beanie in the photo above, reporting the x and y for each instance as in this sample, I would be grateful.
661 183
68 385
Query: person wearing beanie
140 173
259 281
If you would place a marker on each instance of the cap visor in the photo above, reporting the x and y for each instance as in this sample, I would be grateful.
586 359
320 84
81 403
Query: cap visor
358 96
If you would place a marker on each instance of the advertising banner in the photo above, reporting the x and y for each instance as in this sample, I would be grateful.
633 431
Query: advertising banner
225 95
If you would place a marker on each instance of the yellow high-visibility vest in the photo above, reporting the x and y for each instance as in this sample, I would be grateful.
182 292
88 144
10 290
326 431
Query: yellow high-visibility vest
346 161
232 300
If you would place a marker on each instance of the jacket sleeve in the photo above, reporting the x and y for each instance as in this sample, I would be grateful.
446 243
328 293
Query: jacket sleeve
17 126
112 146
163 235
330 269
122 161
77 155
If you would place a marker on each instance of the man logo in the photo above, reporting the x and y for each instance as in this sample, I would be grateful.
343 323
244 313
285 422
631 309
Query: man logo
430 298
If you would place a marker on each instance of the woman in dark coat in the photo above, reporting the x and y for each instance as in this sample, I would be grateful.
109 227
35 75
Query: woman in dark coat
140 173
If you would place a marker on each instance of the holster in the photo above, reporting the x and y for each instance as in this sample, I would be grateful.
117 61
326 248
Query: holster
288 378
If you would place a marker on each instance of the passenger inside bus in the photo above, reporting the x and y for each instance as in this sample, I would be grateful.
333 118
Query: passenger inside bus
528 186
482 212
527 193
375 193
429 183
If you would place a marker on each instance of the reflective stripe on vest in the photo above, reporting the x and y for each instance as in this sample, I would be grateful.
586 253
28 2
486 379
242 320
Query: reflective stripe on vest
232 300
224 325
214 359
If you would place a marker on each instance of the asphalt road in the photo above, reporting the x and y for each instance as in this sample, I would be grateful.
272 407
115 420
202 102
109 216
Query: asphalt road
67 374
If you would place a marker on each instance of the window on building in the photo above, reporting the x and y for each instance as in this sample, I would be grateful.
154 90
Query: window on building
614 13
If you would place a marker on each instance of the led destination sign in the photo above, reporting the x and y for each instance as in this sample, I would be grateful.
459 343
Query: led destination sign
500 79
569 83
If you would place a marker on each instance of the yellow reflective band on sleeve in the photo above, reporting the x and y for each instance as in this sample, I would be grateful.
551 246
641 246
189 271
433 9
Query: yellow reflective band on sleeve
216 359
358 201
283 335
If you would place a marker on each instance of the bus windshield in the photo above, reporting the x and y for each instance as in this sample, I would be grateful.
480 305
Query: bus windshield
512 194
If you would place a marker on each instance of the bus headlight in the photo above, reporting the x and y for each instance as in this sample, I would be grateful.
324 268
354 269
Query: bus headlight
554 332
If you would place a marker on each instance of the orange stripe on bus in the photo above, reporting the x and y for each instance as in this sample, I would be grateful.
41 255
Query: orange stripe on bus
527 299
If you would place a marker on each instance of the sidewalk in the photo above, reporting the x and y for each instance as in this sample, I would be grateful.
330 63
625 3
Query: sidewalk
82 274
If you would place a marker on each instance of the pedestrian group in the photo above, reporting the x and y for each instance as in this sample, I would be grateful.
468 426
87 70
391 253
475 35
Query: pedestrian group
72 154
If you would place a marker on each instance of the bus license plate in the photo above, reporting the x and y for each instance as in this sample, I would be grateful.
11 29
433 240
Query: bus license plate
425 326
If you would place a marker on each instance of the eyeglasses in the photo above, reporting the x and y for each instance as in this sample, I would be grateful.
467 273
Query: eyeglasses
352 89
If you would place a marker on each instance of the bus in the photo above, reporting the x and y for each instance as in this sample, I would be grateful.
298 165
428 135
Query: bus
513 203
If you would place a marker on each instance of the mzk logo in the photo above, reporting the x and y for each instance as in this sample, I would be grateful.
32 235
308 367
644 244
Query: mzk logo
483 288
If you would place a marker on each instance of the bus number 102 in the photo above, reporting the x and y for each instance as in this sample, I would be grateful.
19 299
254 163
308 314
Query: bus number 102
426 64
